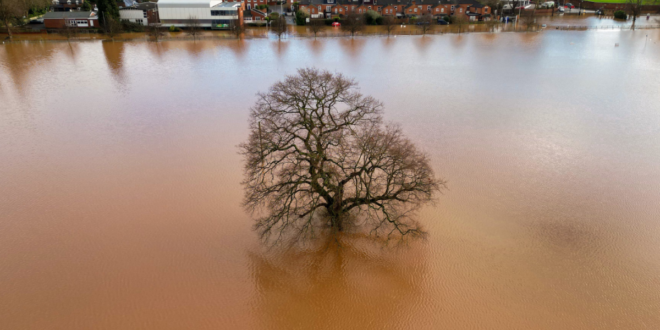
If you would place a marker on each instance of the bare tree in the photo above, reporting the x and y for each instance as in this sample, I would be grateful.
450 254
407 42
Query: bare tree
315 26
279 26
460 21
425 23
491 24
155 31
634 8
194 27
389 23
236 28
67 31
319 156
112 28
353 23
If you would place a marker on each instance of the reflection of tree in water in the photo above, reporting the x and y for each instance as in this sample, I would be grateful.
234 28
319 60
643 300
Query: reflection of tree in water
194 49
423 43
114 55
72 51
20 58
238 47
316 46
488 37
352 46
157 49
388 43
351 283
458 41
280 48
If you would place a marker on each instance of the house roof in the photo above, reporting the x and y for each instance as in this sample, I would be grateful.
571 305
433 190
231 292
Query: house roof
257 12
141 6
69 14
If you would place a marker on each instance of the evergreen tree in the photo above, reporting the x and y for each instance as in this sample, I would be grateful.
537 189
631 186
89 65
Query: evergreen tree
108 9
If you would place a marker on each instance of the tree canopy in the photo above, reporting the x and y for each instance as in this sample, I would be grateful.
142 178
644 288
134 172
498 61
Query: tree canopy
319 156
12 11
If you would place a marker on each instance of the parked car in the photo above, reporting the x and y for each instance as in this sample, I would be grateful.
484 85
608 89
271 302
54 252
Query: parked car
37 21
508 19
422 23
442 22
336 24
530 7
569 6
547 5
560 9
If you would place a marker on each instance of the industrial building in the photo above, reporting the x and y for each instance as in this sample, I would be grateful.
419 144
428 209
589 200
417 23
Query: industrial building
209 14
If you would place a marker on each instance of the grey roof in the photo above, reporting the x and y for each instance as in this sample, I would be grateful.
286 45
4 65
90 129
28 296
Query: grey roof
69 14
227 5
129 3
142 6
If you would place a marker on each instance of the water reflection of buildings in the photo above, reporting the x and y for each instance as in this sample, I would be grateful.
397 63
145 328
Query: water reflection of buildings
352 286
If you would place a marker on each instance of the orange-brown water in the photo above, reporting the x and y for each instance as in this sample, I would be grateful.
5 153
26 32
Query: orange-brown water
120 195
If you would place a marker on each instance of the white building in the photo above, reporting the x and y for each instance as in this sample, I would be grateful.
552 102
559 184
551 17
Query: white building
140 13
214 14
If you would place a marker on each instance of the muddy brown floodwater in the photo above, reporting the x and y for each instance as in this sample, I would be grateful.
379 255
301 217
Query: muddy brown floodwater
120 186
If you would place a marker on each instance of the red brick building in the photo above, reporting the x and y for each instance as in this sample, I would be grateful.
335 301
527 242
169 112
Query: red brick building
73 19
398 8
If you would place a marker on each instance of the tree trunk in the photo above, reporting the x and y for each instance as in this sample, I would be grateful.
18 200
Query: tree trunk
634 19
336 214
8 28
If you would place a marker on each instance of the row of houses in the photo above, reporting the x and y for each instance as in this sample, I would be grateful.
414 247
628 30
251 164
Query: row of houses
217 14
472 9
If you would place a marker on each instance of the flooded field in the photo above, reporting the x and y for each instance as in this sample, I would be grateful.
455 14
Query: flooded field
120 185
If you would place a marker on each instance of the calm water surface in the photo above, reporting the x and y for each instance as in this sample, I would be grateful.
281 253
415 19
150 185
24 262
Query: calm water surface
120 186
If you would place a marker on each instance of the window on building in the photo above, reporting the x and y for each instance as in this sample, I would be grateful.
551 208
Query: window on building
395 8
415 9
442 10
460 10
453 8
369 7
223 13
